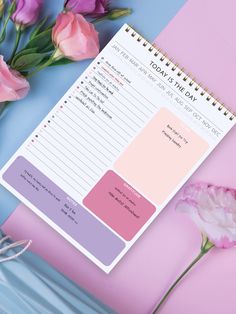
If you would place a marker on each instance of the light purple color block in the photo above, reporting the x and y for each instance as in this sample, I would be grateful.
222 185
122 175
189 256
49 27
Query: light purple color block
70 216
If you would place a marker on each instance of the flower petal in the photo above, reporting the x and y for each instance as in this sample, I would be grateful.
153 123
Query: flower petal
213 209
13 85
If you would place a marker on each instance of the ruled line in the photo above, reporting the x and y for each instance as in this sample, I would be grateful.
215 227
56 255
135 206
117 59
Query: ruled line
127 98
55 164
54 170
118 109
127 106
131 85
93 128
95 156
84 138
114 123
99 126
63 112
52 128
67 158
105 71
55 139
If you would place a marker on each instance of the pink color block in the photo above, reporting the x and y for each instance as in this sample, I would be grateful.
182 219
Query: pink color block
202 39
149 162
119 205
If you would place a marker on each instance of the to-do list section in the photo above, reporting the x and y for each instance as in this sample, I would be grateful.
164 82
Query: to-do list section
90 128
114 150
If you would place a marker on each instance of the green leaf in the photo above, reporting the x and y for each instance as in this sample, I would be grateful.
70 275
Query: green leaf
24 52
48 48
12 8
61 62
50 26
38 28
3 35
28 61
42 41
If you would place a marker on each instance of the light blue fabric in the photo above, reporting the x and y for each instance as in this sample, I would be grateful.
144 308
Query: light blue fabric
28 285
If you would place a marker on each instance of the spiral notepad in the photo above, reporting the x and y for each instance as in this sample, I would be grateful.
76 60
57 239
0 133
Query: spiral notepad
115 149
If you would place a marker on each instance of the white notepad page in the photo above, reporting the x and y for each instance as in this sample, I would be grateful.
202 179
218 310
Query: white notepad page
116 148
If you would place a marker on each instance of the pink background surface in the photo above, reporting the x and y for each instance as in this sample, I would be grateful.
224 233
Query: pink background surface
202 38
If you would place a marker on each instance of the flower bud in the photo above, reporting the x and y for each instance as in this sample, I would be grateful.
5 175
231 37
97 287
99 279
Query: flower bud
87 7
1 8
117 13
26 12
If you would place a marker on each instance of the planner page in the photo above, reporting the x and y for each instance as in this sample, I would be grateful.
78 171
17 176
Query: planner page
116 148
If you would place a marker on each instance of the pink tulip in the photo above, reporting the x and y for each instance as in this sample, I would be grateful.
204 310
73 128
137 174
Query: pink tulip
27 12
13 85
74 37
213 209
90 7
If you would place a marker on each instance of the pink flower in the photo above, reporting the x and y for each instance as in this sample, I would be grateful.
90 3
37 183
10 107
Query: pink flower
74 37
27 12
13 85
91 7
213 209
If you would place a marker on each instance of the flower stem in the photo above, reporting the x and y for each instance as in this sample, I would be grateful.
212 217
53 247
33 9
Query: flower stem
17 41
206 246
99 19
44 65
113 14
3 106
10 11
3 32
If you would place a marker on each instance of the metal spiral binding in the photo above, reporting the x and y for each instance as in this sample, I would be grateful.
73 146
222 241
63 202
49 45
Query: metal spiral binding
181 73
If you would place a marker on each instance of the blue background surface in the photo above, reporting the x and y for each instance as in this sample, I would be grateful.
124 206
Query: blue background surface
47 87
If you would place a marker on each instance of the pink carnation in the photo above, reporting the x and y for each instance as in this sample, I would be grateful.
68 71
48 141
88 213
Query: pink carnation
213 209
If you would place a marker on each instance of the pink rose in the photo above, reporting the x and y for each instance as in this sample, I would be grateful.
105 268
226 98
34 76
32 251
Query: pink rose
74 37
13 85
213 209
27 12
91 7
